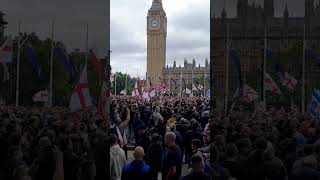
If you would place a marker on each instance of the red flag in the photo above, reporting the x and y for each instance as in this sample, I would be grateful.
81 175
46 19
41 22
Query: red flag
96 64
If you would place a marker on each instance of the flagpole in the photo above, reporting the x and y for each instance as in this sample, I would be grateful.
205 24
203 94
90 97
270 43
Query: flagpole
227 73
303 71
87 42
180 81
51 65
115 83
204 84
126 81
18 65
264 67
170 83
192 81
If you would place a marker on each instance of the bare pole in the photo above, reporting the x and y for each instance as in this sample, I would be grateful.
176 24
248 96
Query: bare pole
264 67
18 65
227 72
303 71
51 65
87 42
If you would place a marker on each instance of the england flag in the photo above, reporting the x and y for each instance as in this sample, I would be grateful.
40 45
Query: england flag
135 91
80 98
249 94
270 85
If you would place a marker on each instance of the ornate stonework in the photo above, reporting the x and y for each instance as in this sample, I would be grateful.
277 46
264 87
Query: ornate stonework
247 32
156 41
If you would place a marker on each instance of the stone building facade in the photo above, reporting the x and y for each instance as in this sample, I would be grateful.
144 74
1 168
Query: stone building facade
247 33
201 76
156 41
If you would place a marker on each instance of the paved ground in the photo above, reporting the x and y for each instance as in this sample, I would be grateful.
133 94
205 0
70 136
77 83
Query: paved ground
184 166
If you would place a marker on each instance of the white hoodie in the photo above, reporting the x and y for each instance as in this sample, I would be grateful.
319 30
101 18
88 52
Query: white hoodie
117 161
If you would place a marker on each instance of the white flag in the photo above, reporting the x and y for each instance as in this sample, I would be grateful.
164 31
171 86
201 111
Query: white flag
289 81
123 92
81 96
112 77
249 94
41 96
271 85
135 91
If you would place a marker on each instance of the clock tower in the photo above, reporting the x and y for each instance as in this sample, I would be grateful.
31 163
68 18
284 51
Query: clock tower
156 41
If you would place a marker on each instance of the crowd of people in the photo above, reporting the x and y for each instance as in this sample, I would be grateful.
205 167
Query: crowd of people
52 144
170 137
167 133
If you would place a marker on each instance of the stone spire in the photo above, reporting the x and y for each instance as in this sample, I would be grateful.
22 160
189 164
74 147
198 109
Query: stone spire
224 13
194 62
286 16
207 63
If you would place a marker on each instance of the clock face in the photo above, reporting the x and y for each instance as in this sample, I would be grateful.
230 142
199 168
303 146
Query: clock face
154 23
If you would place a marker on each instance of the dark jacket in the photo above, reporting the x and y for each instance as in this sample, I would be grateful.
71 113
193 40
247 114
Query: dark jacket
154 154
305 173
196 176
136 170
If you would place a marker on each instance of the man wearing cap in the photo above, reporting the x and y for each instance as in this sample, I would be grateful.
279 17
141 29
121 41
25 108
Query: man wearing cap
154 155
137 169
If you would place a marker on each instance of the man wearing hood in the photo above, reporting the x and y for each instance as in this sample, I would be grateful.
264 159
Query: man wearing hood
117 159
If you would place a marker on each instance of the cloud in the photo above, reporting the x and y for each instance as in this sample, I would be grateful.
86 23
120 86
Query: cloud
70 16
188 33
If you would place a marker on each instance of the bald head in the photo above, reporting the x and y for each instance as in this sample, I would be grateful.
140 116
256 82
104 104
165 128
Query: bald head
170 138
138 153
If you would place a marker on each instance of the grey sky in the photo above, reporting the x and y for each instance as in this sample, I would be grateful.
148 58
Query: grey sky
188 33
71 17
295 7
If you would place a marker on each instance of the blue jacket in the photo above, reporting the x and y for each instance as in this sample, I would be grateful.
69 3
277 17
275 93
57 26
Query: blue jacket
136 170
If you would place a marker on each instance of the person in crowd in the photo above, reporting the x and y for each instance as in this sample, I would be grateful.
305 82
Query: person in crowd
137 169
172 163
197 172
155 153
117 159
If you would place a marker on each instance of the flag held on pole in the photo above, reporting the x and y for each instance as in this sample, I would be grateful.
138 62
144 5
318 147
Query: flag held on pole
80 98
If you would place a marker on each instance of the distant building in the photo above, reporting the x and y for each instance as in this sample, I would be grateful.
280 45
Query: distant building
201 76
247 32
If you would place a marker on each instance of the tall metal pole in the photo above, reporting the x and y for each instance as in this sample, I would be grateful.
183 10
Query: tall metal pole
181 81
115 83
303 71
204 84
18 65
87 42
192 82
170 83
126 84
227 72
264 67
51 65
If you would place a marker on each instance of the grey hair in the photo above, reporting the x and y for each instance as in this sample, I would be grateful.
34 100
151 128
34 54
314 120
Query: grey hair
171 135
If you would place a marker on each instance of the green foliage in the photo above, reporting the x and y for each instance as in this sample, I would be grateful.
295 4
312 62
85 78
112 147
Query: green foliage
30 84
